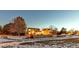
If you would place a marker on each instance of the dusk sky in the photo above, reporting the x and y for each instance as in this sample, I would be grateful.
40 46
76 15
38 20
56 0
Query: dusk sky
43 19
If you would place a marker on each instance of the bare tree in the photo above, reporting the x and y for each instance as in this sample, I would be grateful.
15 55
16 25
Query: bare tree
0 29
63 31
20 25
17 27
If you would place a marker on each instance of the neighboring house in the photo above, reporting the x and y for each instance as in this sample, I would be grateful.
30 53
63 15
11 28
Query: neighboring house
47 31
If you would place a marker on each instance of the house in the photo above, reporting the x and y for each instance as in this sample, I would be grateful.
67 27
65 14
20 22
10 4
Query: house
47 31
33 31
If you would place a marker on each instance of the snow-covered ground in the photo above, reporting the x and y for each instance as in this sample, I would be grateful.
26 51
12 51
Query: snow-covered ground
6 40
15 42
38 45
